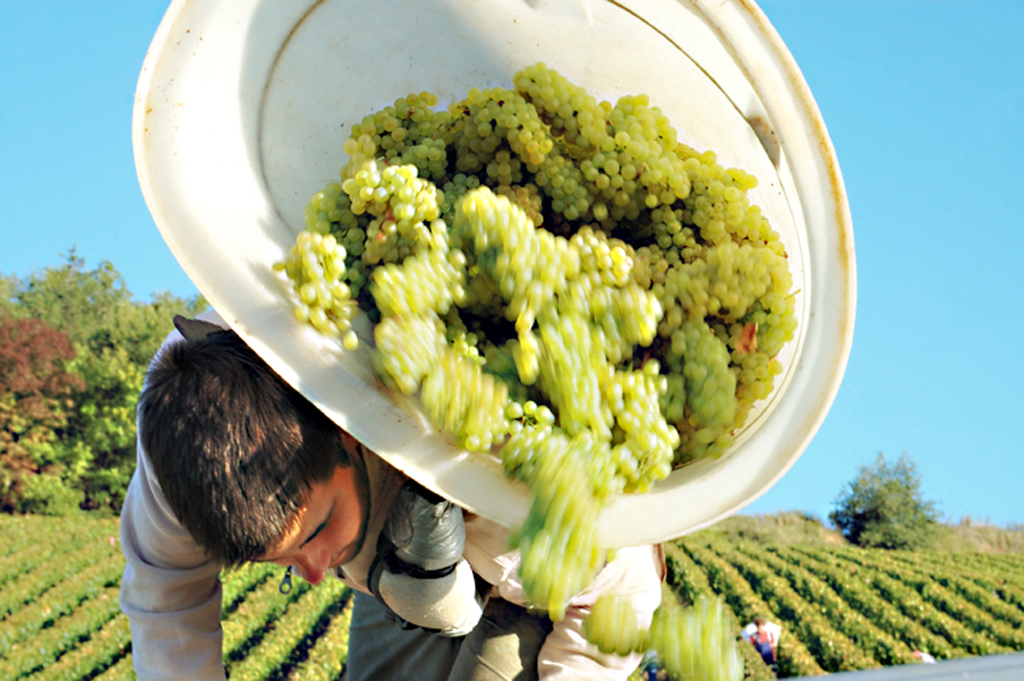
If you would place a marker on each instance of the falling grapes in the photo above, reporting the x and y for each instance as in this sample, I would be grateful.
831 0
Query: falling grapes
696 643
560 281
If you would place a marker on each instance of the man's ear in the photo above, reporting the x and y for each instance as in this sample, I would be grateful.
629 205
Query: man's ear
351 447
194 329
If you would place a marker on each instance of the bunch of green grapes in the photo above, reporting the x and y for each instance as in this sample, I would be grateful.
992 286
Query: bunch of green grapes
697 643
316 267
561 282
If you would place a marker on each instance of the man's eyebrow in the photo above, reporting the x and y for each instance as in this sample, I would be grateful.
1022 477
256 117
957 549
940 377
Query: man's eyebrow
318 529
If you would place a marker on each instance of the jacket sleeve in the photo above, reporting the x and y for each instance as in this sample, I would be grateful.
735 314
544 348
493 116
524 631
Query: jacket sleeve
171 590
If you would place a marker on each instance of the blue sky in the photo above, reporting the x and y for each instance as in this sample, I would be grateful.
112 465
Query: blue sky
924 101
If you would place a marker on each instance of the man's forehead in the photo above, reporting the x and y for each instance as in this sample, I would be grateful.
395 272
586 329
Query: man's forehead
293 535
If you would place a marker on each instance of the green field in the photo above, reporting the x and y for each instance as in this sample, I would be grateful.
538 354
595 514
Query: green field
841 608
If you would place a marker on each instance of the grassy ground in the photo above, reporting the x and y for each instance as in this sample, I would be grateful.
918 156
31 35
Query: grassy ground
793 528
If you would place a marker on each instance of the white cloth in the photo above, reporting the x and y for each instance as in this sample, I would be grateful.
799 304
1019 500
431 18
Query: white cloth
171 591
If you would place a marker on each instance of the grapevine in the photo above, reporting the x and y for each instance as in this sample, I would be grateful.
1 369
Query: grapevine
83 637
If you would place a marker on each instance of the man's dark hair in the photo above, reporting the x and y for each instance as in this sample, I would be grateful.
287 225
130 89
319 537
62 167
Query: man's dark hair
233 446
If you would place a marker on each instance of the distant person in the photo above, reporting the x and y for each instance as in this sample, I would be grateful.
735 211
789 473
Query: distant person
764 636
923 657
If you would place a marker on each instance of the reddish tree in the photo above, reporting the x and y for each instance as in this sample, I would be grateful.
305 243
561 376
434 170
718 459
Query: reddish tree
35 396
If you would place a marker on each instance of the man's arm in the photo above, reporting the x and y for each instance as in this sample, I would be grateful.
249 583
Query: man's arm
170 592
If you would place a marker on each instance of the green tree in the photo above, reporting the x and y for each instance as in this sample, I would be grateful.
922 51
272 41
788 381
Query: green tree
114 338
883 507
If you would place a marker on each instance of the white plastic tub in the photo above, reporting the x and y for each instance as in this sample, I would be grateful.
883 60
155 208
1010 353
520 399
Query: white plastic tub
241 112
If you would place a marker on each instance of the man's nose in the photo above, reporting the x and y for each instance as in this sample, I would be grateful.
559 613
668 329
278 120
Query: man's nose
313 568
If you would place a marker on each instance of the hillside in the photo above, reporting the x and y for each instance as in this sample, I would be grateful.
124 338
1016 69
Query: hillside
840 607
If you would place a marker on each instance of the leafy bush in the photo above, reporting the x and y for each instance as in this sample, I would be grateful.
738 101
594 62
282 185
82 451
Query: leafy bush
36 391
